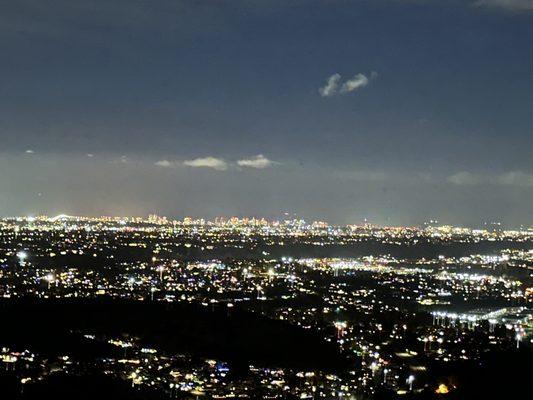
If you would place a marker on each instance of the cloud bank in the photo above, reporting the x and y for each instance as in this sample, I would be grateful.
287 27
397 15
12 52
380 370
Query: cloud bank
207 162
258 162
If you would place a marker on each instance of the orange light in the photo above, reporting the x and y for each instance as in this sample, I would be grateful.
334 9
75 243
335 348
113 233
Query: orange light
442 389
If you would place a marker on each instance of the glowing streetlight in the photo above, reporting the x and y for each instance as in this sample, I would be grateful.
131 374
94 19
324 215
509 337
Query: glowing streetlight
133 376
160 269
49 278
385 372
410 381
373 367
341 326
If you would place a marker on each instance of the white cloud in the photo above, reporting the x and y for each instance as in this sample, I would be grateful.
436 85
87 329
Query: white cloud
358 81
207 162
259 162
331 86
517 5
166 163
511 178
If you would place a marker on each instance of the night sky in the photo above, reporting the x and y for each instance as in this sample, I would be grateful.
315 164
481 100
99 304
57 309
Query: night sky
396 111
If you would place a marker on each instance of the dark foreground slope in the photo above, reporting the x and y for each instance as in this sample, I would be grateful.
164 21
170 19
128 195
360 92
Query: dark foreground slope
70 387
232 335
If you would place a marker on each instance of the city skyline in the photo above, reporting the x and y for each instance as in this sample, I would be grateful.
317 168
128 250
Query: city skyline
394 111
257 220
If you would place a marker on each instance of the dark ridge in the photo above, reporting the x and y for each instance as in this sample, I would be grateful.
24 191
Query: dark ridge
69 387
232 335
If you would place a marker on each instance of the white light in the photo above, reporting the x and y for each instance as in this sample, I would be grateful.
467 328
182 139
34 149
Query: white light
22 255
410 381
